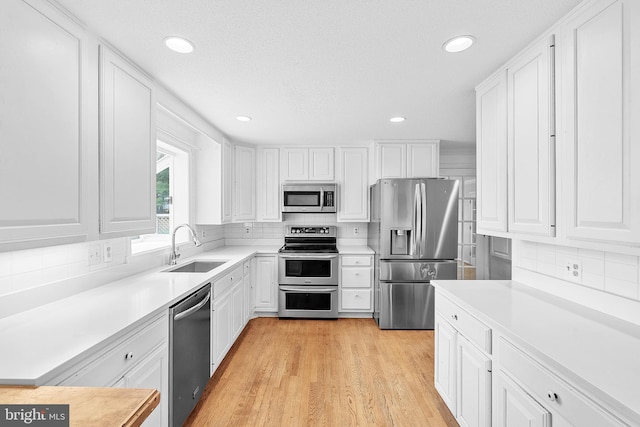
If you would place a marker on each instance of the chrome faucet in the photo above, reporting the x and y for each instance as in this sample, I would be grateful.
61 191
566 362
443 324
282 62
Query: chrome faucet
173 257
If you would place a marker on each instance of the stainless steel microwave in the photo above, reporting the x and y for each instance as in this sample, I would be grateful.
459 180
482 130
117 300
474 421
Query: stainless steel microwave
309 197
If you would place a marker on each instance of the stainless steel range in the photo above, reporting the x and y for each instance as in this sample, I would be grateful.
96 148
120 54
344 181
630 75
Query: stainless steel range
308 273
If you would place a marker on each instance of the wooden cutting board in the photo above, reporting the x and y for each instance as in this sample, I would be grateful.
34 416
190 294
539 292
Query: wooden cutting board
89 406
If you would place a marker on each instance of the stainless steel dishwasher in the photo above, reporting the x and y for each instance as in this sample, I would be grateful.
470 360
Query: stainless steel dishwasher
189 353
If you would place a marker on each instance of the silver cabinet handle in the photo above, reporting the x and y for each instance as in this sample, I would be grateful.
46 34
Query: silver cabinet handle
552 396
454 316
128 356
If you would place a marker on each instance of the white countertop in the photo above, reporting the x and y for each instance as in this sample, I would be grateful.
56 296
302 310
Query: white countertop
355 250
41 343
601 353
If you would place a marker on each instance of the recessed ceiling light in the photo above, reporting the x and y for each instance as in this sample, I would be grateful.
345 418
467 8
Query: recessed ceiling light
178 44
243 118
458 43
397 119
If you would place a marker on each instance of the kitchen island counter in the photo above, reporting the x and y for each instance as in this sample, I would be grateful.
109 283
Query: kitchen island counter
88 406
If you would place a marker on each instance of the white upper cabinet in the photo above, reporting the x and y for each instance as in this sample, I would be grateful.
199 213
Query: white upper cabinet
48 126
268 182
423 160
227 181
353 184
531 141
418 159
321 164
491 154
601 126
127 148
515 147
307 164
244 184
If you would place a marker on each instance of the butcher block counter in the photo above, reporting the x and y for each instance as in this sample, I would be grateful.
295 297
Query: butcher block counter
88 406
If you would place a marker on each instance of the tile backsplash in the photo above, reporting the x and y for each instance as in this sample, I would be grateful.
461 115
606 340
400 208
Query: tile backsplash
33 268
613 273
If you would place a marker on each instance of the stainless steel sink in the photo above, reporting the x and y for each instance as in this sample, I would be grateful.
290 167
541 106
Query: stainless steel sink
197 266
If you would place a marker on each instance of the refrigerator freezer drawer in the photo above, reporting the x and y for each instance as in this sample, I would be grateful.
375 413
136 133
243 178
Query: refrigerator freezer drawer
417 271
406 306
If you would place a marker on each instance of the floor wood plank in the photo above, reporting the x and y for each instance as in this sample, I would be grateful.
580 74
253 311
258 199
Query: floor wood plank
344 372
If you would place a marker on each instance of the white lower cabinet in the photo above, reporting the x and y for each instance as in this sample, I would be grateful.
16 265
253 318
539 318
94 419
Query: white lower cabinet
356 280
473 385
479 369
565 403
462 371
137 360
445 362
227 314
515 408
266 283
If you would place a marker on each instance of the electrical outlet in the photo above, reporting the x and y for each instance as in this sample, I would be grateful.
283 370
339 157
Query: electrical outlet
356 231
107 252
204 234
94 254
247 231
573 270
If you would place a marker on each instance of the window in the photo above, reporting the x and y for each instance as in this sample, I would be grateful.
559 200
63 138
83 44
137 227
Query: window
172 198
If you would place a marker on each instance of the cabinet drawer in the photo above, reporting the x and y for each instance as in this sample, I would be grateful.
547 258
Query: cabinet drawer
226 282
468 325
356 277
109 366
550 391
356 260
246 267
355 299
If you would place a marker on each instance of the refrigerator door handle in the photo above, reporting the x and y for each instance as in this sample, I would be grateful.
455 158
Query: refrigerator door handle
423 219
415 232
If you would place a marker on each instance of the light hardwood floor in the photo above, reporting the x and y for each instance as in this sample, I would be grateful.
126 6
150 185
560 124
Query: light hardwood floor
344 372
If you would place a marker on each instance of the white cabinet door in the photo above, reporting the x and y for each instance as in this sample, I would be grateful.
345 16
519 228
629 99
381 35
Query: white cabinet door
247 283
531 151
445 362
423 160
491 155
392 160
237 320
601 91
266 289
473 386
268 196
127 148
244 185
321 164
353 184
221 328
294 164
48 126
227 180
515 408
152 372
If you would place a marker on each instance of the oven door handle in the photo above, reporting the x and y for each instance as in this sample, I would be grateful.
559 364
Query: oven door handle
309 256
307 289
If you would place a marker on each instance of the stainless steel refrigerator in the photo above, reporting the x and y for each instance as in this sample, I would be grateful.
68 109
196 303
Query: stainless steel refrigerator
414 233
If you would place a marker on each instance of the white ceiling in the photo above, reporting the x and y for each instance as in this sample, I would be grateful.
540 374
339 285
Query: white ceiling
324 71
